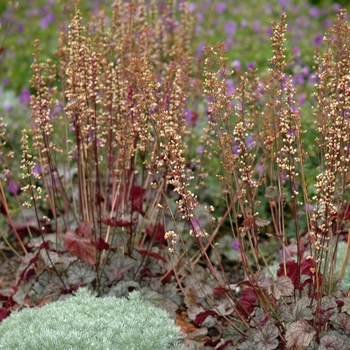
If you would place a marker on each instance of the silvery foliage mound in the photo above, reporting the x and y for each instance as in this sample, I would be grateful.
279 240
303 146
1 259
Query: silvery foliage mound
86 322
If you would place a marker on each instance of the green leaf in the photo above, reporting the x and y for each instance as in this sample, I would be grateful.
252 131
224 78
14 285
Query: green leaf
232 333
271 192
120 266
266 338
346 306
341 322
122 288
334 341
302 310
159 300
283 286
299 335
261 223
247 345
80 273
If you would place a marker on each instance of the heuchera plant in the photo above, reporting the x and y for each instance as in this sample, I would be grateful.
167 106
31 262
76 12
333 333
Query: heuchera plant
259 125
104 147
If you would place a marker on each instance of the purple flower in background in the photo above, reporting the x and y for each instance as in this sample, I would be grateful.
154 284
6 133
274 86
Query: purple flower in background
24 97
230 27
250 141
283 178
48 19
191 117
200 49
299 78
200 150
256 26
236 65
32 13
308 207
301 99
8 107
5 81
269 31
20 27
327 23
305 70
14 187
268 9
284 3
236 245
36 170
191 7
57 110
230 87
318 40
313 79
296 50
236 150
337 7
244 23
315 12
200 17
198 29
251 65
260 169
220 8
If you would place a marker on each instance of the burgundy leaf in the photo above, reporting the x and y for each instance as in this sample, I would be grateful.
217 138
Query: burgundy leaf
30 272
201 317
246 304
291 271
220 290
85 229
347 211
144 252
157 233
82 247
100 244
23 228
4 313
225 344
249 295
299 335
248 221
28 260
146 272
308 266
137 195
116 223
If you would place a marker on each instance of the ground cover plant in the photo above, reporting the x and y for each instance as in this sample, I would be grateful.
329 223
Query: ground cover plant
104 323
127 134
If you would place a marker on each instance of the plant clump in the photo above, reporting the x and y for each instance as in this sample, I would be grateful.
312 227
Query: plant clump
86 322
126 138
